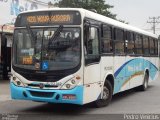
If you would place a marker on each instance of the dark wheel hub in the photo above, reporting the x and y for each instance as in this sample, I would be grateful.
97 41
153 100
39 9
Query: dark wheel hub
105 93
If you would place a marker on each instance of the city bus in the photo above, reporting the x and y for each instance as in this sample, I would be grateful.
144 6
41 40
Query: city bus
76 56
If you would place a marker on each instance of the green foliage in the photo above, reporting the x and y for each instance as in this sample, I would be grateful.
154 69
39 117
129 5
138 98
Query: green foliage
99 5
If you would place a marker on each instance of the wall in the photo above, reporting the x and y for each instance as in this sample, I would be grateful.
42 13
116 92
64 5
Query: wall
11 8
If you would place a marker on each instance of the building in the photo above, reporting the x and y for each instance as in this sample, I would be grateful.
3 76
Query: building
9 11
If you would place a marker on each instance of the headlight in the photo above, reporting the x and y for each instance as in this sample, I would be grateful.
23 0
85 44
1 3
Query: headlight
70 84
17 82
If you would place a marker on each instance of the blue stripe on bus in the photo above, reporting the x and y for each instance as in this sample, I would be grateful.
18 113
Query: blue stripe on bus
119 70
132 68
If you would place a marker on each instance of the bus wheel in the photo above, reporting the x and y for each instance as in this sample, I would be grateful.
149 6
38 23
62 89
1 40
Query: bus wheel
145 83
107 95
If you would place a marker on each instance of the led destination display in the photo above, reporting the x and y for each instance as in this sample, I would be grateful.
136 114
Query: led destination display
48 18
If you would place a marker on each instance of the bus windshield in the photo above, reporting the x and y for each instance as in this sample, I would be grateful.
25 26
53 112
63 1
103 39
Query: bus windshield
47 49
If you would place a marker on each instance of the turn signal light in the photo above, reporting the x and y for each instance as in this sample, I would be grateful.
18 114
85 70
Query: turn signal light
78 77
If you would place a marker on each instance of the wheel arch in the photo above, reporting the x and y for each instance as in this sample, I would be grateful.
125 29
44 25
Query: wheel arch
110 78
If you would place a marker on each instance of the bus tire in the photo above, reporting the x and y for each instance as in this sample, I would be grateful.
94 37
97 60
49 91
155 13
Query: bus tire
107 95
144 86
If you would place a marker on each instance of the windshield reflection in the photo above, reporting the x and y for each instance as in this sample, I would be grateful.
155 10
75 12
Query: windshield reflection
47 49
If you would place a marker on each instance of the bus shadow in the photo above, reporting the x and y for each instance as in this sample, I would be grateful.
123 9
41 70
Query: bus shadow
128 93
58 109
70 109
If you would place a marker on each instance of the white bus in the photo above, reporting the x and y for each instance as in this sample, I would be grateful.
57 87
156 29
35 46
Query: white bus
72 55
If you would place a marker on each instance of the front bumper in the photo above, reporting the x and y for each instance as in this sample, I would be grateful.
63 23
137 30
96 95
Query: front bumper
52 96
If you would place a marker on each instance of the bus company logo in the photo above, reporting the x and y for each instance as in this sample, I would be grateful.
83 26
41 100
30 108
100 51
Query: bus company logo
41 85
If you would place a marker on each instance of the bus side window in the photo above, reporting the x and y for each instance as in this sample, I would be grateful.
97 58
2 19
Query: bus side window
129 42
151 43
138 44
145 46
156 47
92 46
119 41
107 43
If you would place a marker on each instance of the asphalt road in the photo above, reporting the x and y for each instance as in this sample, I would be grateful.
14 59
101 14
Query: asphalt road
129 102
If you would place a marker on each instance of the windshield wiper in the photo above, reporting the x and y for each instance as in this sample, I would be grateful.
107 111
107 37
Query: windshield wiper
30 32
55 35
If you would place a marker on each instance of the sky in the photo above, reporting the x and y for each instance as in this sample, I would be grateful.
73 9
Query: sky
137 12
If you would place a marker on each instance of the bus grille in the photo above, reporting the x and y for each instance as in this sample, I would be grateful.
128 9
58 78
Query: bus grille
46 86
43 78
42 94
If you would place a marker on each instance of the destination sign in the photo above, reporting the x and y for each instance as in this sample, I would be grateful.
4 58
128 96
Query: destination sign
65 18
47 18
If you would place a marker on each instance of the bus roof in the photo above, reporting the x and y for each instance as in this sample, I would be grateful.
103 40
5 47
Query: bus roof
98 17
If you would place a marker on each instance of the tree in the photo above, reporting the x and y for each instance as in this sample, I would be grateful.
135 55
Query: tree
99 5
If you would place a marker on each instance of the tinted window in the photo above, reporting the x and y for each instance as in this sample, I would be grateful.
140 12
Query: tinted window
119 41
129 42
107 45
138 44
156 47
151 43
60 52
92 46
146 45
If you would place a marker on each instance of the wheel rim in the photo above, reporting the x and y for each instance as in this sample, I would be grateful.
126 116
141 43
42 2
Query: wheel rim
105 93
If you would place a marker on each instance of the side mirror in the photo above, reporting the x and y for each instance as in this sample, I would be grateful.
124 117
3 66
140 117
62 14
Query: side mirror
92 33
